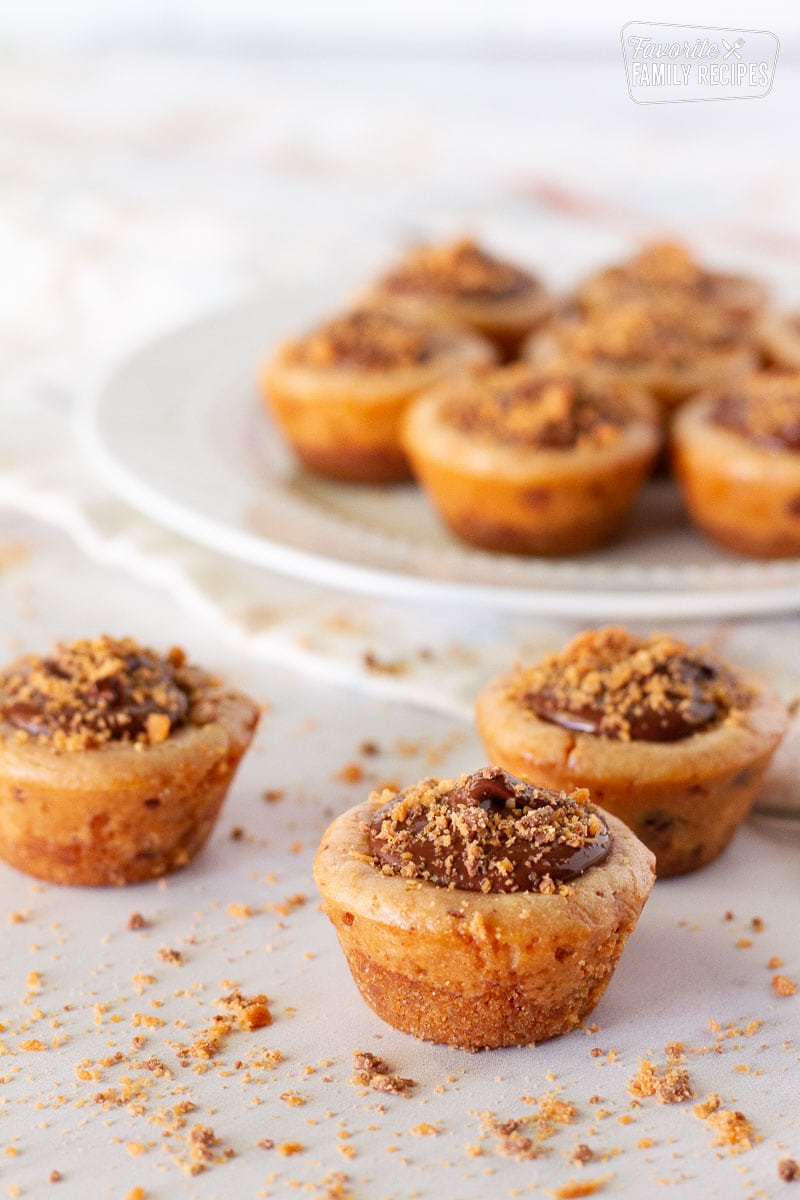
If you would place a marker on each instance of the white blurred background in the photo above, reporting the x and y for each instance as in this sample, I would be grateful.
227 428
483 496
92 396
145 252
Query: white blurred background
159 159
516 28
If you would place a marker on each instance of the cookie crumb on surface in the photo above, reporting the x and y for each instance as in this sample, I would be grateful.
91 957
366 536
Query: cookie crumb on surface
674 1051
251 1012
510 1142
372 1072
673 1087
203 1148
168 955
288 1149
574 1189
643 1083
670 1086
380 666
704 1108
789 1170
553 1111
732 1129
783 986
351 772
137 921
581 1154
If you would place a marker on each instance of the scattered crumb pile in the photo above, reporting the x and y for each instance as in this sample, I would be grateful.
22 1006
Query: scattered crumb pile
731 1129
669 1086
372 1072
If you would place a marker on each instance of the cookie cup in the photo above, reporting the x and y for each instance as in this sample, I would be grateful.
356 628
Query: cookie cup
741 297
684 799
669 382
505 321
740 495
778 337
119 813
343 421
526 500
476 970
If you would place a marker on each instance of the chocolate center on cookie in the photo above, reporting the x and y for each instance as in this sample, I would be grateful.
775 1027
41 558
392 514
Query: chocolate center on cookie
489 832
618 686
766 413
367 339
92 692
521 406
460 269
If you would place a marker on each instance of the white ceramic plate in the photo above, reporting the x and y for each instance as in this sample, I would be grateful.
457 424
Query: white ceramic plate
179 432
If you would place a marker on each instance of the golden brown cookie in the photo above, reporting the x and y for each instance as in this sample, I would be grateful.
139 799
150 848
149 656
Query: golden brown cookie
668 346
777 335
667 268
339 393
461 283
667 737
527 461
737 459
114 761
481 911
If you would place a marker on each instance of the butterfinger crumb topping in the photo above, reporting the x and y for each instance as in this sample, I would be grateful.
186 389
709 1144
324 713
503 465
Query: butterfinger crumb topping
610 683
664 262
90 692
368 338
765 409
666 329
487 832
665 267
522 406
461 268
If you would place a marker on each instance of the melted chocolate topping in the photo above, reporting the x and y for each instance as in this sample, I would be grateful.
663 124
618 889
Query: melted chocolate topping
489 832
609 683
678 717
461 269
94 692
521 405
368 339
770 419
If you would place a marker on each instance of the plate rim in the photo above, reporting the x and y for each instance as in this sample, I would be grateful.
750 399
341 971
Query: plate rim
327 571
